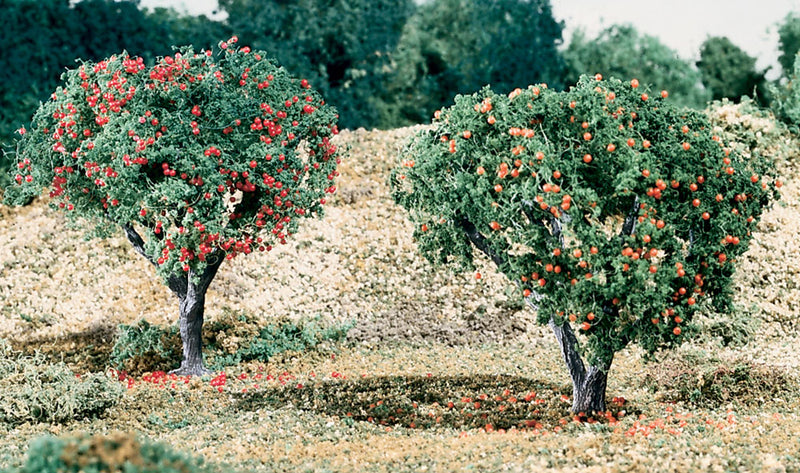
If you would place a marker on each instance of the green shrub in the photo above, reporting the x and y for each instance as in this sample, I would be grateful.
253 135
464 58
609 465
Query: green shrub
705 380
143 347
229 340
610 208
31 390
282 337
293 337
785 99
734 328
115 453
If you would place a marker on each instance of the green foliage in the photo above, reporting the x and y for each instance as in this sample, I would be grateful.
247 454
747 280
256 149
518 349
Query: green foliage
550 185
727 71
458 46
142 346
736 328
341 46
393 69
621 51
789 43
32 390
129 28
115 453
207 157
282 337
41 29
176 28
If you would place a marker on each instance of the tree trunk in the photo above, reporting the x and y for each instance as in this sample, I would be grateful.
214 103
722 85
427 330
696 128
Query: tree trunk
192 306
591 396
588 386
190 289
192 300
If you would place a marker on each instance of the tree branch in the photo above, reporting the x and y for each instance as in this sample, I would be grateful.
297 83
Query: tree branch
213 262
177 283
481 242
527 209
629 225
555 224
137 242
568 343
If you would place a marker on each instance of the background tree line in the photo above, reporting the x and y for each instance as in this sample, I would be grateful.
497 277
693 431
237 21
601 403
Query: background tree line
382 63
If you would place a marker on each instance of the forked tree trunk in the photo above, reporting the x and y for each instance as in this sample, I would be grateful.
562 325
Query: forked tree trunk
190 289
588 385
191 292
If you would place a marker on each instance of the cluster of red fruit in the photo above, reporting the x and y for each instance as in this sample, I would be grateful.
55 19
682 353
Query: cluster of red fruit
167 147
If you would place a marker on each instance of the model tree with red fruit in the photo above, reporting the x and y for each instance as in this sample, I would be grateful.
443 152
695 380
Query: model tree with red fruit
616 214
198 159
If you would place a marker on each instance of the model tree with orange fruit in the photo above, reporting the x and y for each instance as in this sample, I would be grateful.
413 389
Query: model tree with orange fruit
617 214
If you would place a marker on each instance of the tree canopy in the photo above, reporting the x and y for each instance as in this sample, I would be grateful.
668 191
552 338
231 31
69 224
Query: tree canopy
615 212
789 42
341 46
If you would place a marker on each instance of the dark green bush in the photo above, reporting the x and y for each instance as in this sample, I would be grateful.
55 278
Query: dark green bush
142 347
789 42
116 453
728 71
341 46
457 46
32 390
